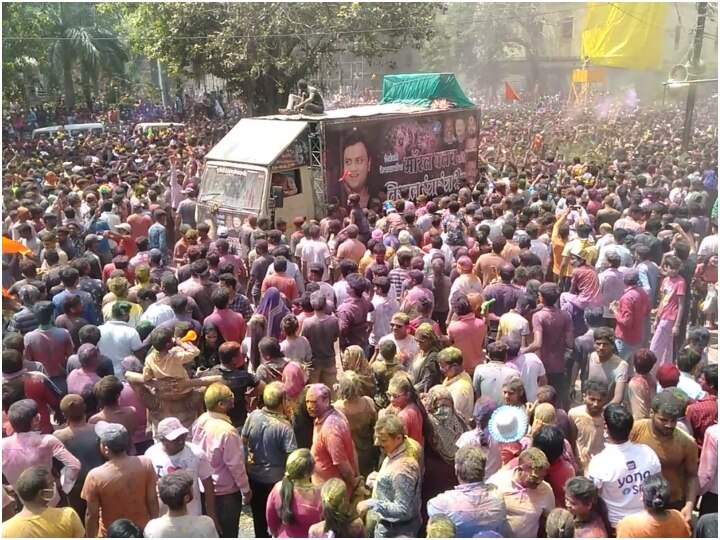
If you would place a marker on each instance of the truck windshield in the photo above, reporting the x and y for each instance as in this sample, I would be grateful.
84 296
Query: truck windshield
235 188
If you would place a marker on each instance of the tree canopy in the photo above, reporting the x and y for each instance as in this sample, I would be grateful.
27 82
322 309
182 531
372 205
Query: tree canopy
62 40
473 39
262 49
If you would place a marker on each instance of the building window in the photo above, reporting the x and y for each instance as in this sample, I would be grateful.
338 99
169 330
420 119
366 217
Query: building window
678 34
567 28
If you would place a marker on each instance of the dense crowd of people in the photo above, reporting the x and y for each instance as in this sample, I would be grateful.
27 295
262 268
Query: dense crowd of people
526 357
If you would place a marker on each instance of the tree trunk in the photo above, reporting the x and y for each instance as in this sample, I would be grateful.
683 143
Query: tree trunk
163 85
86 89
68 86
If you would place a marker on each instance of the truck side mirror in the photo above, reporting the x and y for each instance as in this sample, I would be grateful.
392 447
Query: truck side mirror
278 195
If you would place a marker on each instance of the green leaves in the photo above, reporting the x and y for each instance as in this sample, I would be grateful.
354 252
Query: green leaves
261 49
65 39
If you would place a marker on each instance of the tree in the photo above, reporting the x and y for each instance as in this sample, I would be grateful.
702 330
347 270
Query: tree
262 49
22 51
477 38
81 38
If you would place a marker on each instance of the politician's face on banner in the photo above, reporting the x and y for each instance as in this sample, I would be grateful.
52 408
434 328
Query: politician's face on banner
471 126
448 131
460 130
356 160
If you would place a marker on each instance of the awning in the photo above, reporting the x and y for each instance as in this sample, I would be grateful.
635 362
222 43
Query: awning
256 141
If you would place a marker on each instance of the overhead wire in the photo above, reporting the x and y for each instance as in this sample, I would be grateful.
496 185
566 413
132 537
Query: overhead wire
664 30
336 31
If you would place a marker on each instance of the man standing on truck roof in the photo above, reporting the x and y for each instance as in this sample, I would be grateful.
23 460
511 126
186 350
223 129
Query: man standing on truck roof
309 101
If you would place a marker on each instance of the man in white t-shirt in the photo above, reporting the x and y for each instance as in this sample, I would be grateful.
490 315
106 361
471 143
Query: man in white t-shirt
620 469
315 251
407 346
532 370
173 453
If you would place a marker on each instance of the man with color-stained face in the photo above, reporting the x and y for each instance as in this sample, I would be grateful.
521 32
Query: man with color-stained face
172 453
589 421
528 498
332 448
214 433
678 452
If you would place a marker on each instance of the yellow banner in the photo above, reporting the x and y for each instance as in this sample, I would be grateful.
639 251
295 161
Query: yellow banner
624 34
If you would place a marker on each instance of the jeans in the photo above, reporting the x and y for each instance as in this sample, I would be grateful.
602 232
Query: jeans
228 508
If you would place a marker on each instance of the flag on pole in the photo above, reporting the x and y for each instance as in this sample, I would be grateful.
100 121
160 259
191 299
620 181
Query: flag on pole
510 93
11 246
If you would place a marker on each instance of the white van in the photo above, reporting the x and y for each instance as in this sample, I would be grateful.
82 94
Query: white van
144 126
71 129
76 129
49 131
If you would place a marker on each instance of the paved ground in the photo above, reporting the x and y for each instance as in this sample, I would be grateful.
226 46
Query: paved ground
246 524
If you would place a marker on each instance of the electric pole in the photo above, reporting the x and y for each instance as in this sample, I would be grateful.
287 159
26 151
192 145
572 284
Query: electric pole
695 64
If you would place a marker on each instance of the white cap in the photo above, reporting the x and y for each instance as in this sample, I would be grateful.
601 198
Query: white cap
170 428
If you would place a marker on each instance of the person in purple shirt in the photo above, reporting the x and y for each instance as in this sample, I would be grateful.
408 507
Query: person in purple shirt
611 286
552 336
352 314
416 291
505 295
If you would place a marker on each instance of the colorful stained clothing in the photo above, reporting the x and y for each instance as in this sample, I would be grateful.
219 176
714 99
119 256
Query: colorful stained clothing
51 347
215 434
171 365
594 528
396 495
662 343
23 450
701 415
120 491
612 288
467 333
525 507
708 469
352 317
555 325
633 310
306 506
270 439
641 391
678 456
332 444
473 508
41 389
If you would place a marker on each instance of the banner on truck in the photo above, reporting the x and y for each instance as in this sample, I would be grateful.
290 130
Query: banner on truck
402 156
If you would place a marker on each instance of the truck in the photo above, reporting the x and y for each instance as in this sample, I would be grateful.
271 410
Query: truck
286 166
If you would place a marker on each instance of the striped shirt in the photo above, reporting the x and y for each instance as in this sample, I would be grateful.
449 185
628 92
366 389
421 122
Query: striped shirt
23 321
